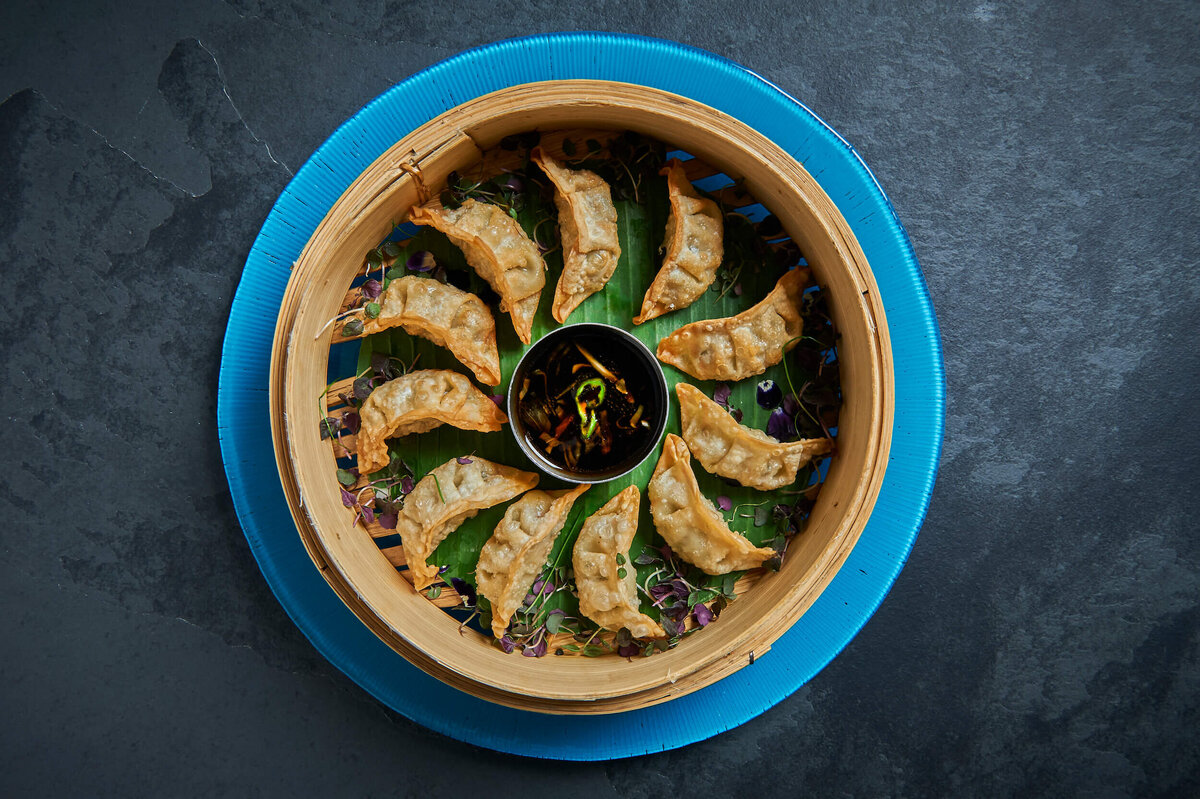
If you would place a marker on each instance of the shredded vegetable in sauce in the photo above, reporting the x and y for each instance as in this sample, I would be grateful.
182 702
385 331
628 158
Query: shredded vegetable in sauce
584 405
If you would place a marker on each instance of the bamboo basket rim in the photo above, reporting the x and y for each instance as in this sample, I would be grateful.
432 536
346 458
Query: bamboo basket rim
449 133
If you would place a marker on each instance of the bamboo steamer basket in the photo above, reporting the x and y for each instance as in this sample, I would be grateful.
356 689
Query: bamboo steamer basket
363 576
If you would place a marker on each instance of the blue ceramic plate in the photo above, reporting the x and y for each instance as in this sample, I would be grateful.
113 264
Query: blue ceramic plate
244 419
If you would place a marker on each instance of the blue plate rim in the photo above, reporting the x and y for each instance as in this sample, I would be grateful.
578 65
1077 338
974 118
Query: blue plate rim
247 452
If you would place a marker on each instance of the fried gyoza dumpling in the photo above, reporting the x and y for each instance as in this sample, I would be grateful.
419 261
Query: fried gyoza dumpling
605 596
689 522
447 497
694 246
518 550
742 453
447 316
739 346
497 248
420 401
587 221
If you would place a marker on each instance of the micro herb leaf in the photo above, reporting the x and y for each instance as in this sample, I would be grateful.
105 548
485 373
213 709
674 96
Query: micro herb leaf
391 249
620 559
346 478
374 259
372 310
352 328
435 592
622 573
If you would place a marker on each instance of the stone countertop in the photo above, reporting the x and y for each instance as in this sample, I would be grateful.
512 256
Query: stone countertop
1044 638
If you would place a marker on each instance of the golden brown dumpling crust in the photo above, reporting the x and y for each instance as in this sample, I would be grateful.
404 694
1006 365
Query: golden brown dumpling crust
742 453
436 507
694 246
740 346
689 522
497 248
587 222
447 316
420 401
519 548
604 596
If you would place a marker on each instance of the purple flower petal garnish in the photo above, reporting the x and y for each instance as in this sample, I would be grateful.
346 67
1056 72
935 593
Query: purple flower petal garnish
372 288
769 394
406 485
780 425
702 615
347 499
724 502
421 261
388 521
721 394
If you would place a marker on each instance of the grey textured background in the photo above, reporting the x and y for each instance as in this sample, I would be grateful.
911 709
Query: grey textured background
1044 638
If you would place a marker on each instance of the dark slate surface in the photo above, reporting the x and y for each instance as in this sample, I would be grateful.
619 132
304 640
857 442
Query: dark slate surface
1044 639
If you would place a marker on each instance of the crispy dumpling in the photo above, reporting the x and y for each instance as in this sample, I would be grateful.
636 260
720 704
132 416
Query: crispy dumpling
689 522
587 221
497 248
694 246
739 346
604 596
733 450
519 548
420 401
447 497
447 316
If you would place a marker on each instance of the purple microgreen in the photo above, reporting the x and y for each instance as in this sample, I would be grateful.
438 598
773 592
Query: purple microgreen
702 615
644 559
528 600
363 387
463 461
465 590
368 513
499 400
346 477
736 413
330 426
421 261
721 394
351 421
724 502
371 289
507 644
628 650
388 521
352 328
737 289
537 650
623 637
406 485
670 626
791 405
348 499
537 587
514 184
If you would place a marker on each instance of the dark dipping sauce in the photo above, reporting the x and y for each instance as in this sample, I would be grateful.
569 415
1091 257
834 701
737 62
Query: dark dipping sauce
589 403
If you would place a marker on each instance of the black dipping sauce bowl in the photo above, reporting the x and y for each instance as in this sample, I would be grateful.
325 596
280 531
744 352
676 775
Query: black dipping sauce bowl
618 350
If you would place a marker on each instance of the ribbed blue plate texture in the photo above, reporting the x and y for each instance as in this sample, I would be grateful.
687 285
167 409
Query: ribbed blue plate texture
858 588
